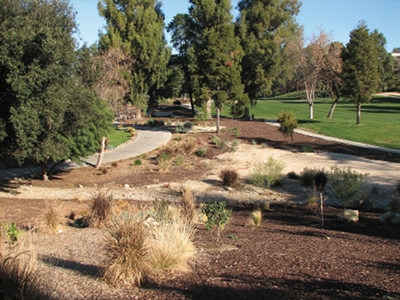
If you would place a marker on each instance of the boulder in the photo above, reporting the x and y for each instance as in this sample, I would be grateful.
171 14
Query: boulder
350 215
390 218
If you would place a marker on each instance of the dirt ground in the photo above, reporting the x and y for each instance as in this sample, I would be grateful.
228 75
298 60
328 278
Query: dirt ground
288 257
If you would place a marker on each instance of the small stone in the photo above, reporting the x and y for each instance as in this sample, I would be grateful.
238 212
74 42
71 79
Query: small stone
126 185
80 186
59 231
350 215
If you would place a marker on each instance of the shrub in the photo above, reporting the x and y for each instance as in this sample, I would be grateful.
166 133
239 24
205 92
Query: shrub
163 164
104 171
181 129
188 125
138 162
169 123
215 140
307 177
51 218
265 174
150 122
253 142
201 118
307 149
346 184
161 209
217 215
114 164
288 123
320 179
293 175
11 232
394 205
255 217
188 147
235 131
131 130
179 161
202 152
101 210
161 123
177 102
120 126
179 138
228 146
264 145
229 177
127 248
188 205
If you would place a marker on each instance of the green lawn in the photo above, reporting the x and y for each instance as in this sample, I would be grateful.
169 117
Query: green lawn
380 118
117 137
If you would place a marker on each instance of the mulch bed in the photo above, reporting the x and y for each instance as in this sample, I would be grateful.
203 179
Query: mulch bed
288 257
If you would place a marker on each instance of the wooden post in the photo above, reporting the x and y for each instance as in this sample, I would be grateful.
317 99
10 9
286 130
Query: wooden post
100 158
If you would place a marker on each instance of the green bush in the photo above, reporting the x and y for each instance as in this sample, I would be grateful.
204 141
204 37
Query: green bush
215 140
288 123
178 138
138 162
293 175
201 117
150 122
188 125
266 174
202 152
217 215
235 131
346 184
179 161
161 123
307 149
181 129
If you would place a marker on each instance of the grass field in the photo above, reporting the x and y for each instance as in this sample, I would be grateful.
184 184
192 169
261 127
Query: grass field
380 119
117 137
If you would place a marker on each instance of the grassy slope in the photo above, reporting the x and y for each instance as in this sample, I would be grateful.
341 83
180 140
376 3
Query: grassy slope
117 137
380 119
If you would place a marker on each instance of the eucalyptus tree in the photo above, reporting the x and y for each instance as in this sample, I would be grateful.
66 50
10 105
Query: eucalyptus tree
50 111
216 56
264 28
137 27
360 67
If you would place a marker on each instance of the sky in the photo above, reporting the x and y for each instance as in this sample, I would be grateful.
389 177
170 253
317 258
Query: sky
337 17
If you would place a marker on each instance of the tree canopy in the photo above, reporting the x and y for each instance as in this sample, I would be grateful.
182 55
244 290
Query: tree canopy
49 109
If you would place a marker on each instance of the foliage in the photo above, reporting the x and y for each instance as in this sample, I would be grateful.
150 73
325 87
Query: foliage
188 125
179 161
360 67
181 129
288 123
215 140
255 217
52 218
346 184
50 110
227 145
11 232
188 205
307 177
266 174
217 215
307 149
188 147
202 152
201 118
137 28
229 177
293 175
264 28
216 55
161 209
137 162
235 131
128 252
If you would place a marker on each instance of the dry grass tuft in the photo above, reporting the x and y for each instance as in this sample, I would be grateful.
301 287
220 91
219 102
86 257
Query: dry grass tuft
101 210
188 147
171 245
127 248
188 205
51 219
255 217
229 177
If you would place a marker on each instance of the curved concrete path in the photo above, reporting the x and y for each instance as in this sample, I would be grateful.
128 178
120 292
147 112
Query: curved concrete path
337 140
146 141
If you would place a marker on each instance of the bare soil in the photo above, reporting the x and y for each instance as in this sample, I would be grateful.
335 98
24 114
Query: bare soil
290 256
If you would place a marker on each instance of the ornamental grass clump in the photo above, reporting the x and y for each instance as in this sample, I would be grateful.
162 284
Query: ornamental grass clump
101 210
128 251
229 177
346 184
188 205
255 217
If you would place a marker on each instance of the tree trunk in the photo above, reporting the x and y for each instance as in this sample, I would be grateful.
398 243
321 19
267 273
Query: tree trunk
218 121
100 158
50 172
332 110
358 113
208 108
45 176
310 104
246 114
192 103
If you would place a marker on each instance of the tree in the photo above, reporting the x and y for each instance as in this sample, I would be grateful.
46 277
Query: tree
182 38
216 55
50 111
360 67
137 27
312 60
264 28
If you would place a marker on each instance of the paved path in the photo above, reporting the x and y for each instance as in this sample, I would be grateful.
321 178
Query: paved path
146 141
337 140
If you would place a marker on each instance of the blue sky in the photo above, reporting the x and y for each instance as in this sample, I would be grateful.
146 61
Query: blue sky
337 17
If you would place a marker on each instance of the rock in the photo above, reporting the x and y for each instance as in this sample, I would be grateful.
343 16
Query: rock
80 186
390 218
350 215
126 185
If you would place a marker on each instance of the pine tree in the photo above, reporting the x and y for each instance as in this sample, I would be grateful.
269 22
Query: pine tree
137 27
360 67
216 56
264 27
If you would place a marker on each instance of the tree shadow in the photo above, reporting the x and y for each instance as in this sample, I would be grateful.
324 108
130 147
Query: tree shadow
88 270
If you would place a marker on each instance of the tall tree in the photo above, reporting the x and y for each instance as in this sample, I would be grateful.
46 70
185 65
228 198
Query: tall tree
360 67
49 109
216 55
182 38
264 28
312 60
137 27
